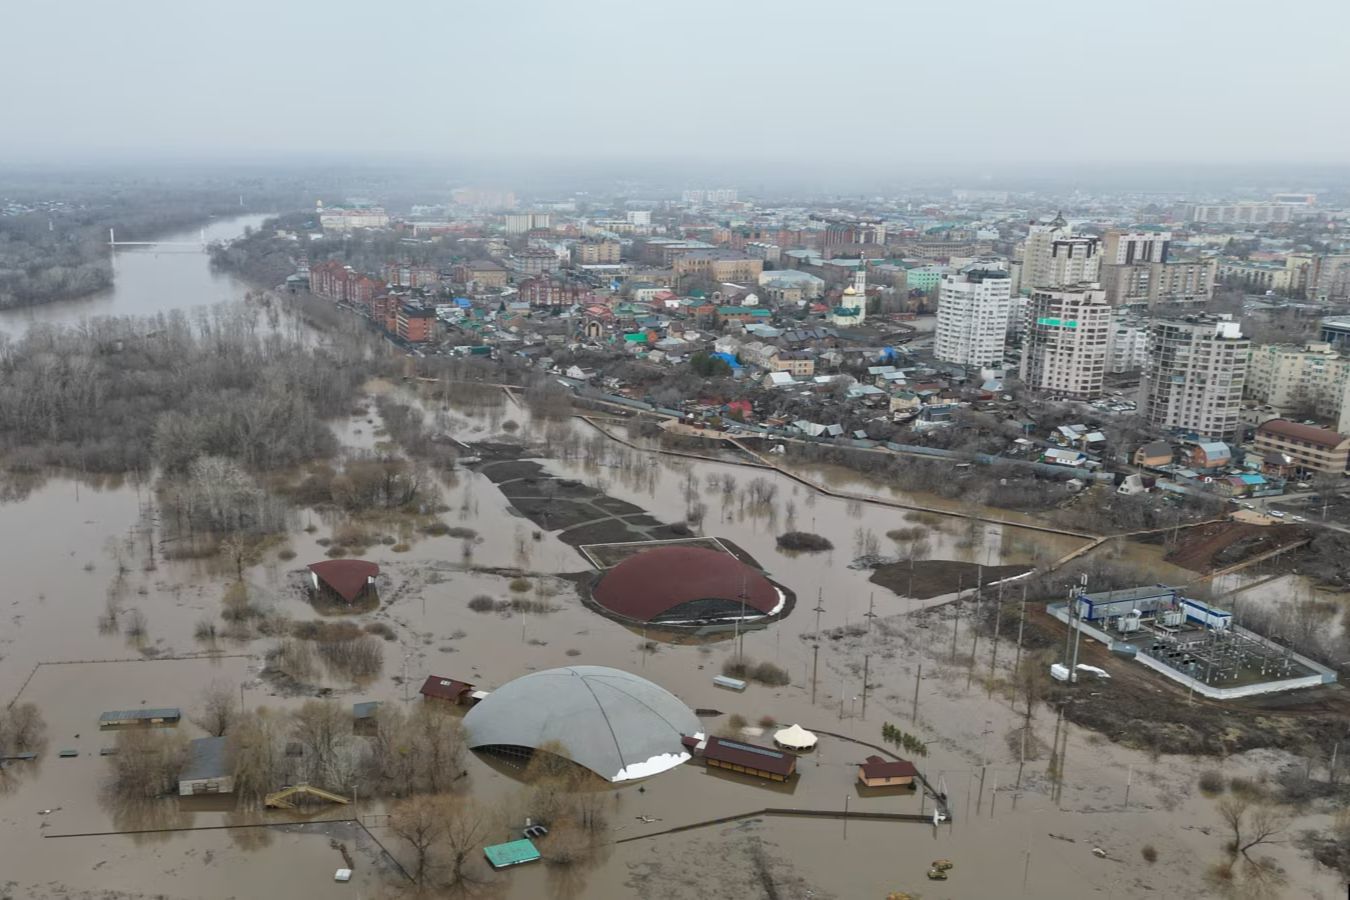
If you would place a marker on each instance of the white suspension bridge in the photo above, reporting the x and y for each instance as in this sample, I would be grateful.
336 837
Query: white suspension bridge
198 246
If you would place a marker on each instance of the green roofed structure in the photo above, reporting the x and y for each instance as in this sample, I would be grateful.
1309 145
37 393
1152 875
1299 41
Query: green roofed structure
512 853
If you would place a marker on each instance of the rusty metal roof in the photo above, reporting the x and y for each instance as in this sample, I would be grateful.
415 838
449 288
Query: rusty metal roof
653 582
751 756
347 577
444 688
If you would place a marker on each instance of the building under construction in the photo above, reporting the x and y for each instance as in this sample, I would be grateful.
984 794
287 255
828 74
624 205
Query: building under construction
1189 641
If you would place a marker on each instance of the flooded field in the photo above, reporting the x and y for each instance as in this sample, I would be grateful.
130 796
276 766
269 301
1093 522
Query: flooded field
1025 822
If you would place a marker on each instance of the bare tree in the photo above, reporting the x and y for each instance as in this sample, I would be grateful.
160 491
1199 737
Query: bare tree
218 710
466 826
420 822
1251 824
147 763
22 728
324 732
254 748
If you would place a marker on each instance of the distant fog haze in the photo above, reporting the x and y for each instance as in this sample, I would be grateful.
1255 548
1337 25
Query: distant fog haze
756 86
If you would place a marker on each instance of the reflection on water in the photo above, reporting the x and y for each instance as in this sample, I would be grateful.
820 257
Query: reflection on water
147 281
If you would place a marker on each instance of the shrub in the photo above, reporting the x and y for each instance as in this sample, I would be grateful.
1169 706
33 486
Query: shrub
519 585
285 553
767 721
736 722
770 674
381 629
1150 853
1211 783
359 658
804 541
736 668
401 548
482 603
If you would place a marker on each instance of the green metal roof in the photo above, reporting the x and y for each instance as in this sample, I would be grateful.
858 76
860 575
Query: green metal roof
512 853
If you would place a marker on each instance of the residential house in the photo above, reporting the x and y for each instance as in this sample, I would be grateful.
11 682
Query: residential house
1209 456
1153 455
878 772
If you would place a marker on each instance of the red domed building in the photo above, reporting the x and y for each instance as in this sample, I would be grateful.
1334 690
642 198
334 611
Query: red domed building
687 586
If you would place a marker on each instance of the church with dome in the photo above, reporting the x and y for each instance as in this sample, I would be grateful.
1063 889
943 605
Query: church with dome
852 308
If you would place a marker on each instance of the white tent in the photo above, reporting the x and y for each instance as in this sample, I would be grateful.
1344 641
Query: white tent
795 737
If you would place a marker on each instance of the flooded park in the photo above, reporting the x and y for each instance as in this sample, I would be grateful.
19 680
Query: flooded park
1035 805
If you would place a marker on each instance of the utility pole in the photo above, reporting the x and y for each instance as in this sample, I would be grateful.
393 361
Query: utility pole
864 690
918 680
871 603
815 667
998 624
1021 624
956 624
1078 630
820 607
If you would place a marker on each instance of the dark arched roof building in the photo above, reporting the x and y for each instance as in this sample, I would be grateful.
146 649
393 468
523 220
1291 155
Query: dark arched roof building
683 585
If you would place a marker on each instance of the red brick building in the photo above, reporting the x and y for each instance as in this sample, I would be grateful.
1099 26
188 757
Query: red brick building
542 290
334 281
415 324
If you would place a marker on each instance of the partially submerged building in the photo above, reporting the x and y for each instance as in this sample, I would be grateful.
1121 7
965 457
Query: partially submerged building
687 586
747 759
876 772
450 690
347 581
617 725
207 770
130 718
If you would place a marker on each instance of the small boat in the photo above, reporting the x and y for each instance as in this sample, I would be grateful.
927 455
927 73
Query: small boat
941 864
937 875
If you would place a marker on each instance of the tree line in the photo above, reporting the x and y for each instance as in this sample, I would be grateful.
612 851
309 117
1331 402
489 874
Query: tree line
119 395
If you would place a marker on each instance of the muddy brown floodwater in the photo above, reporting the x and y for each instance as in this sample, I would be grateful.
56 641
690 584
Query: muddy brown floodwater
68 547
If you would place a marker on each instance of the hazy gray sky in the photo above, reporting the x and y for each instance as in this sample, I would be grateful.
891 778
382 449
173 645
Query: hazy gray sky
890 82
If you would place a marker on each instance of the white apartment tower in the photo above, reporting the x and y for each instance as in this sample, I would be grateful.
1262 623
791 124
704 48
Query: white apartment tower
1053 257
1068 333
1196 374
972 319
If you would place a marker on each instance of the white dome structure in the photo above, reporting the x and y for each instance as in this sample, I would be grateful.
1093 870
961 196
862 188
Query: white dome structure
614 723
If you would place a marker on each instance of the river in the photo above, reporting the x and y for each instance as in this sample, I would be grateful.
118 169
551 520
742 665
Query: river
149 280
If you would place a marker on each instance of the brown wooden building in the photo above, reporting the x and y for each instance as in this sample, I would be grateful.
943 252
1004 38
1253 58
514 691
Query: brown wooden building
750 759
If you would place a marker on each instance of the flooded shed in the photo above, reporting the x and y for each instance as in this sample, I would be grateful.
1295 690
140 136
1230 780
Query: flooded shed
347 581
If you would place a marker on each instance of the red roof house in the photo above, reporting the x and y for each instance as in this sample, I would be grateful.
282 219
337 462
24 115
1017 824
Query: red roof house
346 579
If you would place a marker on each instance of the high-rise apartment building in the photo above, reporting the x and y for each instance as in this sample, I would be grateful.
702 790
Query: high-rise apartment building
1196 375
1299 380
1127 350
521 223
1054 258
1067 338
1121 248
972 319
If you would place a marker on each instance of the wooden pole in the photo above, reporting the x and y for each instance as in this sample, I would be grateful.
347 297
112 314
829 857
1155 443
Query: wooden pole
815 667
864 690
918 680
998 625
